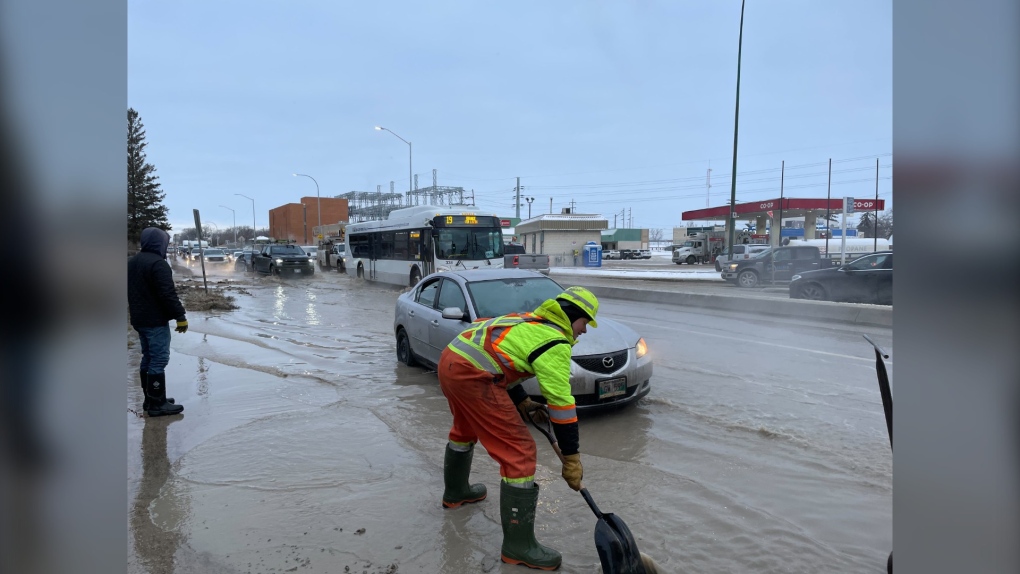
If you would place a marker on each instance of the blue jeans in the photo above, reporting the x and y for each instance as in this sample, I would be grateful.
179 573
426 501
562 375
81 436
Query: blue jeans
155 349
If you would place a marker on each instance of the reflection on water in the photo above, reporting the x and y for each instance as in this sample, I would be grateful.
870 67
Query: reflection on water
279 303
156 547
202 379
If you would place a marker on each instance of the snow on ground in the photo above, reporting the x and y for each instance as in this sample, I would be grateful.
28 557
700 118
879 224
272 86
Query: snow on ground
684 275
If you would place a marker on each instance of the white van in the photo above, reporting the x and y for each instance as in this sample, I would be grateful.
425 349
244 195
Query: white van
740 251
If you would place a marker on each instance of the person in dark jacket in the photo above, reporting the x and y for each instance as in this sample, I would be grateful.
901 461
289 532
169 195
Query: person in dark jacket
152 303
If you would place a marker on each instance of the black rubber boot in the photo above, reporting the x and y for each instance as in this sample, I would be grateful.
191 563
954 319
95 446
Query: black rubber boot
156 394
456 468
143 376
517 513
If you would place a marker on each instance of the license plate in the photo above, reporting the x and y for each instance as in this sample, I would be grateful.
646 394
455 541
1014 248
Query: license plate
612 387
297 271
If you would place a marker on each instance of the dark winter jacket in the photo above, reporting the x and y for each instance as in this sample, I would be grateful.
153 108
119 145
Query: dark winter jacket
152 299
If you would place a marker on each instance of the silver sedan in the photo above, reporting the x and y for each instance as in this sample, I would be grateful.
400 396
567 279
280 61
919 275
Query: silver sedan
611 366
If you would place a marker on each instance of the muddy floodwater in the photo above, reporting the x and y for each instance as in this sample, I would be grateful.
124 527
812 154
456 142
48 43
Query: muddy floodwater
305 447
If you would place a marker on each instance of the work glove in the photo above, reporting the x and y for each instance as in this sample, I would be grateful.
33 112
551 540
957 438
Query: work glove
182 326
572 471
537 412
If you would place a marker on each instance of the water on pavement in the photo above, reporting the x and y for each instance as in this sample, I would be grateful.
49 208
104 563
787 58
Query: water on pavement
305 447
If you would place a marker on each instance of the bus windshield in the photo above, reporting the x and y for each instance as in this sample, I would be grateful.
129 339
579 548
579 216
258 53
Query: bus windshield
468 243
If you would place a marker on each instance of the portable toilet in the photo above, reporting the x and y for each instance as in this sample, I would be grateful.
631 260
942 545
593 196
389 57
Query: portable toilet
592 254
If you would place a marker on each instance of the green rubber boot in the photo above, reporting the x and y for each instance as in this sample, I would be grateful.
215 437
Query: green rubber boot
517 513
456 469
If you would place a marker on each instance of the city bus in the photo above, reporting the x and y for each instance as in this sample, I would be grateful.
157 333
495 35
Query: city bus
415 241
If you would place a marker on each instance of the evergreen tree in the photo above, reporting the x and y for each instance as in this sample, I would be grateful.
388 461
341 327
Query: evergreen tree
144 196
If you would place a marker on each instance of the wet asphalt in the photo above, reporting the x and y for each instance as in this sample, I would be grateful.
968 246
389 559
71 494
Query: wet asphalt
305 447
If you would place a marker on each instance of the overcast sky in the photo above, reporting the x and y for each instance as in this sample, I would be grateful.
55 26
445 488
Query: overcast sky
615 105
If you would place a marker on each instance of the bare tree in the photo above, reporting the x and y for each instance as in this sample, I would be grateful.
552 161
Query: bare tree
655 235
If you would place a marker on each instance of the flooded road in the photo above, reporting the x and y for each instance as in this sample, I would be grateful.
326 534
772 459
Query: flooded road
305 447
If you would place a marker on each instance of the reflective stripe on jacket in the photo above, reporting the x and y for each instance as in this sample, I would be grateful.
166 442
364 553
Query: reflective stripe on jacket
518 346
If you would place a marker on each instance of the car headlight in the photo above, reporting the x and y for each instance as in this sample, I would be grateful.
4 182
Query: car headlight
642 348
795 277
733 266
278 261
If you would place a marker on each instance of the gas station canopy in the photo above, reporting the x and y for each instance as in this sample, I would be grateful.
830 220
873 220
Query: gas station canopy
791 207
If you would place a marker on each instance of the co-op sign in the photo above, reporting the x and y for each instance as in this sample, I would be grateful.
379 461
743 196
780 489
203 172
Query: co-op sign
848 204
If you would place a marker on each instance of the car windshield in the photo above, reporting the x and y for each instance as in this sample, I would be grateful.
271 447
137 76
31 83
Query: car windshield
518 295
762 253
469 244
287 250
216 252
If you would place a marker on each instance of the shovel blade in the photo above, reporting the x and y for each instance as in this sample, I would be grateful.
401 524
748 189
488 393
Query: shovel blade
617 549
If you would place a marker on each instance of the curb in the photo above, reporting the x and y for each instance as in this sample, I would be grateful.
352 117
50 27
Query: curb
878 315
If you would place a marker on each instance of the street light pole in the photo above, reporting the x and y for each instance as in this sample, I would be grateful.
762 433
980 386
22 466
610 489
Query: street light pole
253 231
409 155
318 200
529 200
736 119
235 223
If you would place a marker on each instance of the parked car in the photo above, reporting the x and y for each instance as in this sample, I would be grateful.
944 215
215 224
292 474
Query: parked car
611 367
644 254
513 249
611 254
628 254
868 279
283 259
743 251
533 261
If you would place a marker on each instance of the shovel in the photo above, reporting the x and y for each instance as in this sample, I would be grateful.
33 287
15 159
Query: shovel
617 549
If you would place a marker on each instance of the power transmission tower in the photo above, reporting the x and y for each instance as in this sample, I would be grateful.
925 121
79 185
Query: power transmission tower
517 200
572 206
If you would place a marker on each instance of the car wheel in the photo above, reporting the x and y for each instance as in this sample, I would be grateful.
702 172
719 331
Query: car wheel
273 270
415 276
718 267
361 271
404 353
814 292
691 260
747 278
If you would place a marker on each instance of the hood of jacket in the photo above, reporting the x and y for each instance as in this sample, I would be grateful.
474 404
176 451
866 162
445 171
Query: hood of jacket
551 311
155 240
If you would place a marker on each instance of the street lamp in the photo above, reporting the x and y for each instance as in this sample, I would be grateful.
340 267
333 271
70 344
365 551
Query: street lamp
409 150
736 119
235 223
253 232
215 234
318 201
529 200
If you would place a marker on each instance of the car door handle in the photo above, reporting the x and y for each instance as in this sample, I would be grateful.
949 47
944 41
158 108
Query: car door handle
435 322
411 313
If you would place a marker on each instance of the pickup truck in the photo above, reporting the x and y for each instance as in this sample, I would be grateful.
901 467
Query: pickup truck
333 255
532 261
774 266
278 259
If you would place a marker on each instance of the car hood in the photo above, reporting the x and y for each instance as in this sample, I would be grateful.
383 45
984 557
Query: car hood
609 336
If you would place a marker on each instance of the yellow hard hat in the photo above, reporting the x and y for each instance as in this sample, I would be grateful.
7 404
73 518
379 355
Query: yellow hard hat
584 299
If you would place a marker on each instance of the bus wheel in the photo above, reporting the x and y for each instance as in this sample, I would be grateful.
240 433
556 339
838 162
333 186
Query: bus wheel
415 276
361 271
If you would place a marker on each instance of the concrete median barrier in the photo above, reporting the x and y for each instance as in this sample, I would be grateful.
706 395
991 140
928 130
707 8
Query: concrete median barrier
879 315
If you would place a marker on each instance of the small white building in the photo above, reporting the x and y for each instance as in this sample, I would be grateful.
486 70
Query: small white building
561 236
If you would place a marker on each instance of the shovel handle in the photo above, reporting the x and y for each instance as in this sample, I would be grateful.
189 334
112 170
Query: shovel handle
546 429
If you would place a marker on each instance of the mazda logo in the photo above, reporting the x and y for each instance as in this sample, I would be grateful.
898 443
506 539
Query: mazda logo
608 362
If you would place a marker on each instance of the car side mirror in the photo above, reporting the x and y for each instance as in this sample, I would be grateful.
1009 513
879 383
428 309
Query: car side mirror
456 314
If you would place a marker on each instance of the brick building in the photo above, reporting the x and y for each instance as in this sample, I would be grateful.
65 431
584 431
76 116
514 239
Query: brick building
296 221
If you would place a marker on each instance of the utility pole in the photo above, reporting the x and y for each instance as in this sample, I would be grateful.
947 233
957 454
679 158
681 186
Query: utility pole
708 186
874 221
572 207
782 175
550 205
736 123
517 202
828 198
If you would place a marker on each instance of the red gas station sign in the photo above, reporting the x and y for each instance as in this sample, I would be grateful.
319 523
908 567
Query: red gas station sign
504 222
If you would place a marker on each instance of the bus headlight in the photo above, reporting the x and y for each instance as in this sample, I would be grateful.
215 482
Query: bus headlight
642 348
